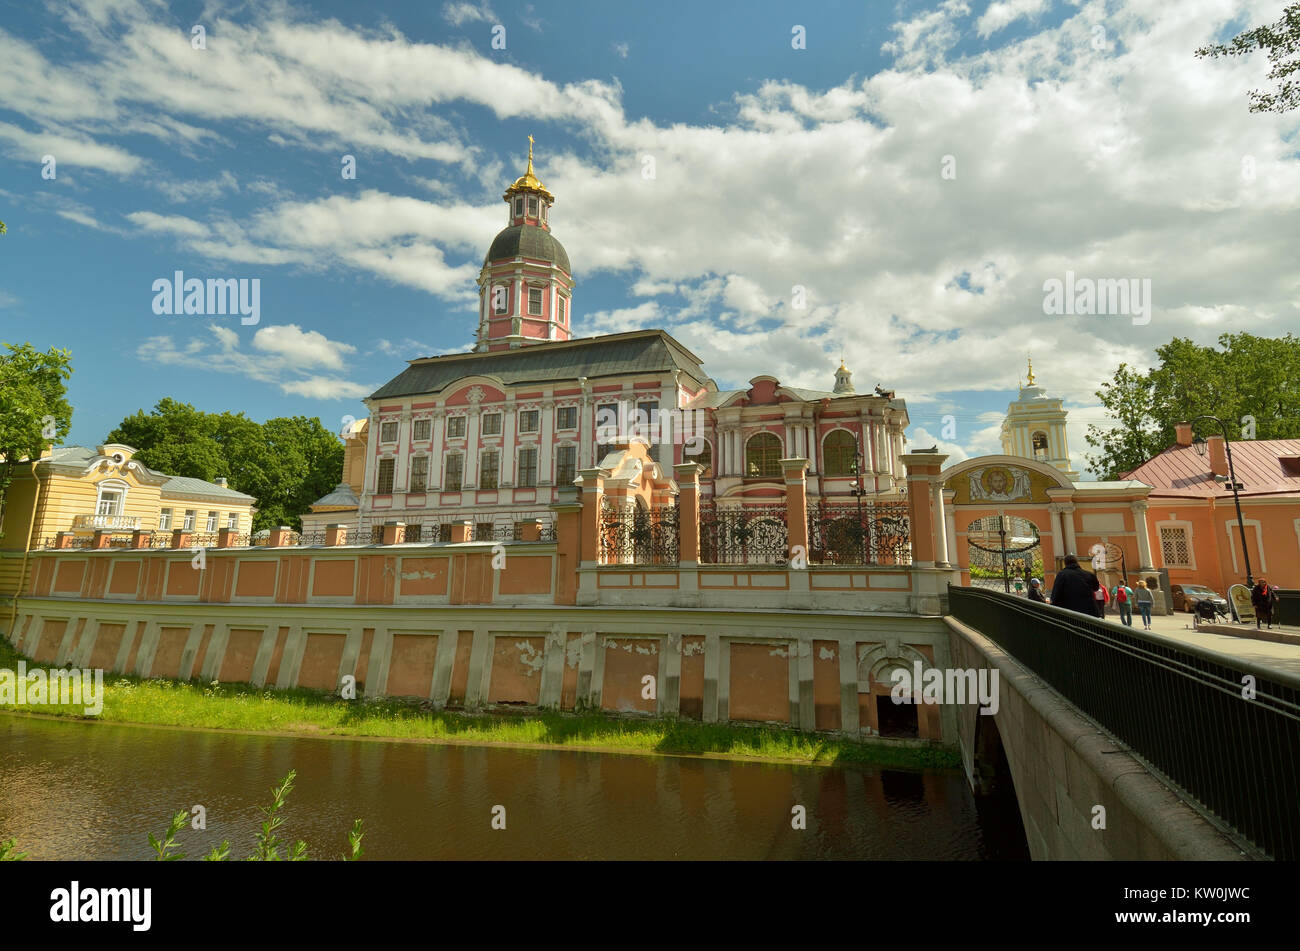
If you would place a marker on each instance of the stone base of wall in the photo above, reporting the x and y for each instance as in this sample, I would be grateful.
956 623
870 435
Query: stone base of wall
814 672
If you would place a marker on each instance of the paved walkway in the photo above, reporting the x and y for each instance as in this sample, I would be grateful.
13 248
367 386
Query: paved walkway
1178 627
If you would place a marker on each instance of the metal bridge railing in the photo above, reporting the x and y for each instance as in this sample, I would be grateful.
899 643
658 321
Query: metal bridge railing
1179 707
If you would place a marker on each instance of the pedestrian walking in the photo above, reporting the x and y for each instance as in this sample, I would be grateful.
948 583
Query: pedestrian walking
1074 587
1144 599
1262 597
1102 597
1123 596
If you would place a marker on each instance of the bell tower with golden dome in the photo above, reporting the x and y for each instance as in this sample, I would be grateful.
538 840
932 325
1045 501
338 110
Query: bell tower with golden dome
526 284
1034 427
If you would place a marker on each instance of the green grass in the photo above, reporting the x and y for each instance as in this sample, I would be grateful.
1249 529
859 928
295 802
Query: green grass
132 700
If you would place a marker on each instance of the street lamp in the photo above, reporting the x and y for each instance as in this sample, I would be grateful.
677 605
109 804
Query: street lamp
858 488
1201 448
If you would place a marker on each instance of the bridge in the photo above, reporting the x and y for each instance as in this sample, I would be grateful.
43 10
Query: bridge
1122 745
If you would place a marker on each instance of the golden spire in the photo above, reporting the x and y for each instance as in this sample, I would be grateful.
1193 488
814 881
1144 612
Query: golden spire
528 181
1031 371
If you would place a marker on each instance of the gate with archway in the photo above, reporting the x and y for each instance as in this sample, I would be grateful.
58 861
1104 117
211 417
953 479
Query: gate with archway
1002 549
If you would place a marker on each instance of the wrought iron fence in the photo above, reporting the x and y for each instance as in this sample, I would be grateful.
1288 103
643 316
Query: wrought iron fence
638 536
161 539
846 533
753 535
1177 706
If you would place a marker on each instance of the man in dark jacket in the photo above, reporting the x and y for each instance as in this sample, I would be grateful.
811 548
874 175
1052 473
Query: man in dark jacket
1074 588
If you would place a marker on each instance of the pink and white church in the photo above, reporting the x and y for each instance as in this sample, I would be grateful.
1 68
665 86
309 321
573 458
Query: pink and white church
494 435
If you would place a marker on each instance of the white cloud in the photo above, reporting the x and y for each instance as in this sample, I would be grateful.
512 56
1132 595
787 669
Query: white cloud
286 356
168 224
621 49
458 14
1002 13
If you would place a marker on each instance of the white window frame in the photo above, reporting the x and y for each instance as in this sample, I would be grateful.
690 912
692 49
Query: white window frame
566 409
213 518
232 521
424 423
1187 534
412 486
541 301
164 519
190 516
536 415
500 418
464 426
383 428
1234 539
118 488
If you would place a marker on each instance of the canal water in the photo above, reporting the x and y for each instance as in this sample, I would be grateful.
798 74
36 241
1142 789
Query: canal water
71 790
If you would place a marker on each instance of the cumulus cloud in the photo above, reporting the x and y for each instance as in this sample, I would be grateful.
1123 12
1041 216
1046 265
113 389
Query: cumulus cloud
1002 13
285 356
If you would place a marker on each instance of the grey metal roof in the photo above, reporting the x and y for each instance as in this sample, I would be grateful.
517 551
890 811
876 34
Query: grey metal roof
643 351
183 485
528 241
342 495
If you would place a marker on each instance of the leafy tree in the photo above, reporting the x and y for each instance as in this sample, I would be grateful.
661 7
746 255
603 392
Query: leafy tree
285 463
1282 41
34 409
1248 376
3 229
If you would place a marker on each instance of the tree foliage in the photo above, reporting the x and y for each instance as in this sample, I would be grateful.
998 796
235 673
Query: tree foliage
1247 378
1282 41
285 463
34 409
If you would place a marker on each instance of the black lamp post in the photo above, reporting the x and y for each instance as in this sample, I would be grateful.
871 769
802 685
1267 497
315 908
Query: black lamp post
1201 448
858 489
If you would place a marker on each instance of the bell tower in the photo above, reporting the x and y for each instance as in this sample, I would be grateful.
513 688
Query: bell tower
526 284
1034 427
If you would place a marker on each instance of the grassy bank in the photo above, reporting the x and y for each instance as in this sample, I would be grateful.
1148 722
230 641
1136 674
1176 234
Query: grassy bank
131 700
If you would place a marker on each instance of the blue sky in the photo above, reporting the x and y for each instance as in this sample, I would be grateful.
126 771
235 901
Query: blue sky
1084 136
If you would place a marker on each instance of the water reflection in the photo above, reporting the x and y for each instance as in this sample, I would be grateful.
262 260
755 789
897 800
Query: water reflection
74 790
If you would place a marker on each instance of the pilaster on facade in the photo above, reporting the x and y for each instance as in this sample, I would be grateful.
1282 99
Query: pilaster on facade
545 474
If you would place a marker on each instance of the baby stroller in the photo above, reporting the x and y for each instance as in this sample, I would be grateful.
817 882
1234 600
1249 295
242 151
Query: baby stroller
1207 611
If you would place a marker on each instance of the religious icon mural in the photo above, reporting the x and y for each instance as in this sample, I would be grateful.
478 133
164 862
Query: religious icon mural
999 484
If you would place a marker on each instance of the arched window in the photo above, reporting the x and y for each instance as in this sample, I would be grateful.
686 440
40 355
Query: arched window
763 456
703 455
839 454
1040 445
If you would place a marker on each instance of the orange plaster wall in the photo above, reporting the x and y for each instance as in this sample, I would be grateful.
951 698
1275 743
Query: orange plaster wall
334 578
760 683
627 660
107 643
204 641
51 636
134 653
516 669
424 577
572 659
410 671
320 661
256 579
826 684
171 644
126 578
691 685
526 576
241 652
182 579
69 577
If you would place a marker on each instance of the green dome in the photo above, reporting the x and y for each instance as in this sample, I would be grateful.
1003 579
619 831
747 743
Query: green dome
528 241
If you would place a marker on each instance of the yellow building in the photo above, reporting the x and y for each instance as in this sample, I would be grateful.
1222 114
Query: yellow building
81 490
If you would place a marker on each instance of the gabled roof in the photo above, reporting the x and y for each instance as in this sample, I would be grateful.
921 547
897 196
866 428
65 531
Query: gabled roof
1180 471
342 497
643 351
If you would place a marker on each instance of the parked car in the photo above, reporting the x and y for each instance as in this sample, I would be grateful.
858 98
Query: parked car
1186 595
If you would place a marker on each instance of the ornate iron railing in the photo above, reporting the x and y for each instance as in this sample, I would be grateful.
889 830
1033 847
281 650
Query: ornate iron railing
846 533
638 536
753 535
